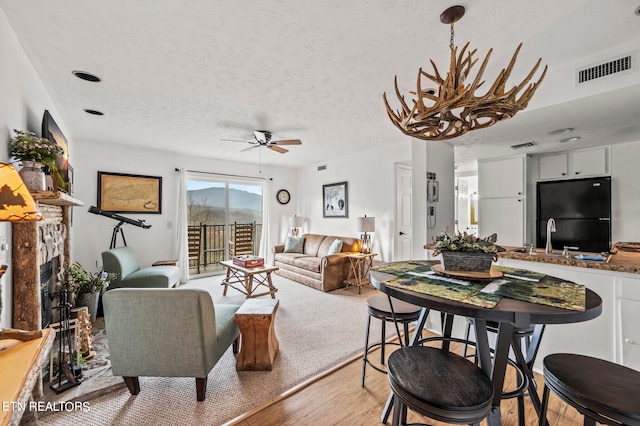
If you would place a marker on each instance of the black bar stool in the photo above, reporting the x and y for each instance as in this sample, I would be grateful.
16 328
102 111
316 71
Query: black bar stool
438 384
602 391
379 308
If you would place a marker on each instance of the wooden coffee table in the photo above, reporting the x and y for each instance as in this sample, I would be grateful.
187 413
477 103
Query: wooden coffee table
258 344
249 279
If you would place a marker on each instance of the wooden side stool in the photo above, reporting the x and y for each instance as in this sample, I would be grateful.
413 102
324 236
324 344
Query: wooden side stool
602 391
259 345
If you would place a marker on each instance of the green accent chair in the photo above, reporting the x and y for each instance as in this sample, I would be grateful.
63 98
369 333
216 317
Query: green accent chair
144 341
123 262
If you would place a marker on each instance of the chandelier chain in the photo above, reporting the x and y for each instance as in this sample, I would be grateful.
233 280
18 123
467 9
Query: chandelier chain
452 33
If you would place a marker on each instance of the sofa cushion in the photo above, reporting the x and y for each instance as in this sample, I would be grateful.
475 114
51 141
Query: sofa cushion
294 244
335 247
309 263
288 258
347 245
312 243
154 276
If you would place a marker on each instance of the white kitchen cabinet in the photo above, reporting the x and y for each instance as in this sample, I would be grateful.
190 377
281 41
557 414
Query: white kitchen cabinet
501 178
628 337
554 166
574 164
505 217
589 162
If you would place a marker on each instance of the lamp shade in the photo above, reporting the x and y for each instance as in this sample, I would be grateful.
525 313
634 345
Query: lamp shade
296 221
16 202
366 224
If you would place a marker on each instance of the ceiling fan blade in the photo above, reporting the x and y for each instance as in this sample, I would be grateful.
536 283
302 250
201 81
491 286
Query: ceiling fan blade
277 149
250 148
287 142
235 140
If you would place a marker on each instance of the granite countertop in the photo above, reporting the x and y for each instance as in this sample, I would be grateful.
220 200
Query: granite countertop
622 261
625 257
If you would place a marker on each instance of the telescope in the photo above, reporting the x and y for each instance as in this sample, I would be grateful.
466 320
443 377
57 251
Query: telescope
116 229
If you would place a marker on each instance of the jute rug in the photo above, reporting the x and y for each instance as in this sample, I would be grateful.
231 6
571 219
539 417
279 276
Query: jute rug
316 331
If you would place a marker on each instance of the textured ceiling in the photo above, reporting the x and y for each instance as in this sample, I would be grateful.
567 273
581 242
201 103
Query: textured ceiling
182 75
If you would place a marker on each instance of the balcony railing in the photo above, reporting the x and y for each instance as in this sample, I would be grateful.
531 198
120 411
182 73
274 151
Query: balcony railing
214 245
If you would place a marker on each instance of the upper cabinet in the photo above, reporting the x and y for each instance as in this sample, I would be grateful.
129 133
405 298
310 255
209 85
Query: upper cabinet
574 164
501 178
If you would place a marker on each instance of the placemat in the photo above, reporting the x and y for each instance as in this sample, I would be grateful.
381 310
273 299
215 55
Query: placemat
519 284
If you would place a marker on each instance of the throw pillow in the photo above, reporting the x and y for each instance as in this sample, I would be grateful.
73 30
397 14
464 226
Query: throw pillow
294 245
336 247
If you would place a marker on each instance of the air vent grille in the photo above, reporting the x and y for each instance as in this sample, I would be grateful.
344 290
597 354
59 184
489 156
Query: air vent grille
323 167
602 70
524 145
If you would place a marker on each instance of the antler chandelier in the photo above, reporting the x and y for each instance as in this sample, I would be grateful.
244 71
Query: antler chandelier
453 108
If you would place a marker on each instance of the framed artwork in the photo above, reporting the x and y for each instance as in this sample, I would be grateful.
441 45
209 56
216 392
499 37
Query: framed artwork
124 193
51 131
335 202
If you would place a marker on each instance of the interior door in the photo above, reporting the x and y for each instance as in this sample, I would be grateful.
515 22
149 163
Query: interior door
404 235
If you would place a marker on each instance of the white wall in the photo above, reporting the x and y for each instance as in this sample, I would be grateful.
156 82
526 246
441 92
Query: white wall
23 100
371 191
92 233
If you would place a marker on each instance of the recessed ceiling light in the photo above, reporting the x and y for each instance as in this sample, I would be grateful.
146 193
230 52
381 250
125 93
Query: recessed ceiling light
571 139
93 112
86 76
638 11
562 131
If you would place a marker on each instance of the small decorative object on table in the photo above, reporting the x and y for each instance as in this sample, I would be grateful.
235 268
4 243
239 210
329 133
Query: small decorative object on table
464 252
34 152
248 261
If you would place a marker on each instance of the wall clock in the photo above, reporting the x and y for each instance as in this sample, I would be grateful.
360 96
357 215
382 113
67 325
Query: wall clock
283 196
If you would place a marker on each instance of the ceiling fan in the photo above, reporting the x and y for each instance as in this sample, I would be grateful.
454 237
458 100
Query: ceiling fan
263 138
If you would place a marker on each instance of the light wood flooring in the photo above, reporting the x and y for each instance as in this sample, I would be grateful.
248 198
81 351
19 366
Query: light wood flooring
338 399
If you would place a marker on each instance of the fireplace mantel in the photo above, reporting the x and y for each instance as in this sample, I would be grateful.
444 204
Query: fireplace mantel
29 252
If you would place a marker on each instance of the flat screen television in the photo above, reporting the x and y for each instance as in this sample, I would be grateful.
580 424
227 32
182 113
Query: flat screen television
51 131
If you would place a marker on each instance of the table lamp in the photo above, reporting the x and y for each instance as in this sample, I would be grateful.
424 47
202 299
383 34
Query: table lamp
295 222
366 224
16 205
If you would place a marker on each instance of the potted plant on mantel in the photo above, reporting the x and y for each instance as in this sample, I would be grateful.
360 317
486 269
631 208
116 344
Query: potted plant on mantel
34 152
87 287
464 252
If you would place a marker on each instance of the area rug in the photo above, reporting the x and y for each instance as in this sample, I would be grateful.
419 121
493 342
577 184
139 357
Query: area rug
316 331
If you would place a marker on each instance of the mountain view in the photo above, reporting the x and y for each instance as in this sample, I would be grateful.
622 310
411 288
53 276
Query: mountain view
207 206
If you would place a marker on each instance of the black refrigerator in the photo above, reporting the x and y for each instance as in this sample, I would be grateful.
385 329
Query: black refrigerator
582 211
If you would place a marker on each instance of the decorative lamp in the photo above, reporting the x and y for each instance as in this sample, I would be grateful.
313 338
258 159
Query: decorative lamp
445 107
16 205
16 202
366 224
295 222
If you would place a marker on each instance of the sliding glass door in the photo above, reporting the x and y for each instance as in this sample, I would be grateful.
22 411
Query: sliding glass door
214 207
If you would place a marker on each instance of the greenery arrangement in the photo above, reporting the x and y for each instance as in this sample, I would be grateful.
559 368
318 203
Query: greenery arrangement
26 146
81 281
465 242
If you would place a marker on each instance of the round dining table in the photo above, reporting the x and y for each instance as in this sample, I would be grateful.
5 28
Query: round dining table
508 313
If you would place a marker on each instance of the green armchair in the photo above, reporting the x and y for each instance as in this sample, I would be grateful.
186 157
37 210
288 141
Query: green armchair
143 342
123 262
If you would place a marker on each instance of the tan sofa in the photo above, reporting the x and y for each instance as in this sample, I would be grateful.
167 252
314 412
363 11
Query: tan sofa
314 267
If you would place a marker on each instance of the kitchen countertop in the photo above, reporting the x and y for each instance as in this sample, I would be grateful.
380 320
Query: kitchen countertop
621 261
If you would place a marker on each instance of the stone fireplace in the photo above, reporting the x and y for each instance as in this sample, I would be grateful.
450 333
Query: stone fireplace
40 250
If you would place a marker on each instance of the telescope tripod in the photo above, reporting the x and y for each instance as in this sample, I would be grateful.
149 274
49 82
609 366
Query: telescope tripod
114 236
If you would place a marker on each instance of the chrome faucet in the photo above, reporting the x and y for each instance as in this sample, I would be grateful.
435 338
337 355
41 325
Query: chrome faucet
551 227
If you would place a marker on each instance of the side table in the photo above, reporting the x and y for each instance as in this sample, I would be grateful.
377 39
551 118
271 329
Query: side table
258 344
359 267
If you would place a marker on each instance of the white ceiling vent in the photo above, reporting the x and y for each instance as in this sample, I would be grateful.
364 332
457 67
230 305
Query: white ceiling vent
524 145
618 65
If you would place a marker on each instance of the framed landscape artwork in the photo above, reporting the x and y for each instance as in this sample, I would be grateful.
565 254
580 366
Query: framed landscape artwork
51 131
335 202
125 193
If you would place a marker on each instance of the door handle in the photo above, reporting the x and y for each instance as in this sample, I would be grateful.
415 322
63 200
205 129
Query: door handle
402 233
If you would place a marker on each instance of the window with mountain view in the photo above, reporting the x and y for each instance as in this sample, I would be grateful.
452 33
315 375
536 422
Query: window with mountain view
214 207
